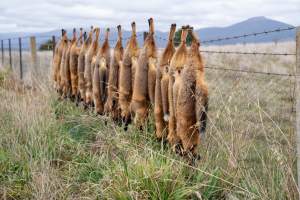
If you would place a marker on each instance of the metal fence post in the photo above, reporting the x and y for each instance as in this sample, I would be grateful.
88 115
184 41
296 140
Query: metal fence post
9 51
54 44
20 54
297 95
2 52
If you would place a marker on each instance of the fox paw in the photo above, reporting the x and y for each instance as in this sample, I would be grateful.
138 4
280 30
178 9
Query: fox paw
166 117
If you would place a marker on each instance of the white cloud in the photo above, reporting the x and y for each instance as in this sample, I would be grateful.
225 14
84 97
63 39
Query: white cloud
41 15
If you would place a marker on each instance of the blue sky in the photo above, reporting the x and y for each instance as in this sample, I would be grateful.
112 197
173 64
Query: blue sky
44 15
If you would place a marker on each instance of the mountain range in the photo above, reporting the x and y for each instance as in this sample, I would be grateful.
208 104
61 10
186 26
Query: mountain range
252 25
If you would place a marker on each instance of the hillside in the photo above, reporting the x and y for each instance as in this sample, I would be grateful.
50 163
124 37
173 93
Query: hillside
256 24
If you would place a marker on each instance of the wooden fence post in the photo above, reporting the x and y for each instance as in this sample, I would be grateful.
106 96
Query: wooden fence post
54 44
20 54
9 52
33 53
2 52
297 95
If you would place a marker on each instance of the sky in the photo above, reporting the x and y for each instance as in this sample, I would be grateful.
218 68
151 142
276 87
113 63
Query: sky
46 15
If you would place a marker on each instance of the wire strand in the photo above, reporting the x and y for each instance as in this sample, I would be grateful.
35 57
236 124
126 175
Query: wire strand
248 53
248 35
217 67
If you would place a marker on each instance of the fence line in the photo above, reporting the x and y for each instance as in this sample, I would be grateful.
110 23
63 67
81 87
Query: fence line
241 36
32 46
249 34
161 38
58 36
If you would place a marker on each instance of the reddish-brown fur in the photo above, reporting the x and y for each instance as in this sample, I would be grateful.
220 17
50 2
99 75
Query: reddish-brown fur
102 61
161 86
88 72
176 65
61 50
152 63
111 105
143 77
63 69
57 59
67 74
126 76
192 100
81 65
74 52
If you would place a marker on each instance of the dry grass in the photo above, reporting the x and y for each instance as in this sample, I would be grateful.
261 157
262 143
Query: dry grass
51 149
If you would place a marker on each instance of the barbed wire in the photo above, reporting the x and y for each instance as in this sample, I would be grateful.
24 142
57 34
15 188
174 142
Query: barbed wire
248 53
58 37
29 36
218 67
204 41
236 36
248 35
241 36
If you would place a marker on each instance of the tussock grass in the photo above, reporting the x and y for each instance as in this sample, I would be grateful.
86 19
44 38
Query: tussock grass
51 149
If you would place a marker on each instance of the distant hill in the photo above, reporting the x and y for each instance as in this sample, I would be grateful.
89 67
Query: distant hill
255 24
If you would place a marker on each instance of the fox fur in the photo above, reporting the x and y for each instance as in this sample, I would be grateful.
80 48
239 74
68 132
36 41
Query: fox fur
57 59
177 63
111 106
144 80
81 65
102 61
74 52
161 86
126 76
192 101
88 71
64 72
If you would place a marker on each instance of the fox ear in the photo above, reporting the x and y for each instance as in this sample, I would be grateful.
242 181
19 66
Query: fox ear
62 32
133 28
151 25
119 31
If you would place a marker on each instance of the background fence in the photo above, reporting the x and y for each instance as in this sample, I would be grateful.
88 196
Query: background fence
21 53
254 94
